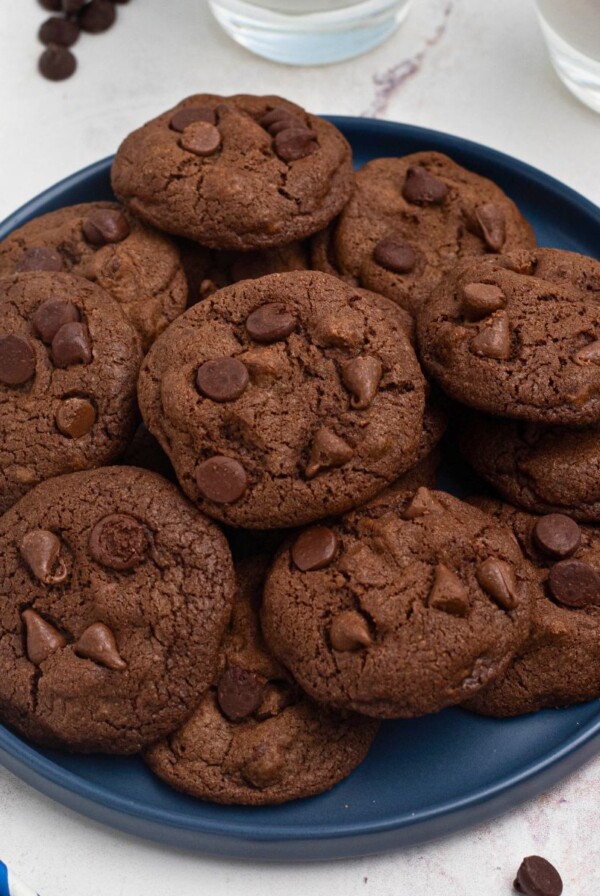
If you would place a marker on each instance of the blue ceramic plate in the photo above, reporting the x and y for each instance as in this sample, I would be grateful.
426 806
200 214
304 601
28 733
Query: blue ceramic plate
423 778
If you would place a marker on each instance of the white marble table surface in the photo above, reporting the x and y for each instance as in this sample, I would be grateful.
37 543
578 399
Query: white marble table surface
476 69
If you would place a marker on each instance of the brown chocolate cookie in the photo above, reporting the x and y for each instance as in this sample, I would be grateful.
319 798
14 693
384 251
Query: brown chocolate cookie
560 663
255 738
400 608
518 336
285 399
239 172
104 243
124 591
408 222
69 361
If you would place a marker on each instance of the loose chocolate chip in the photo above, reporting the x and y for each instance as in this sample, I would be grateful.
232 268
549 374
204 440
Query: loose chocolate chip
106 225
270 323
422 188
361 376
200 138
481 299
448 592
75 417
51 316
349 631
422 504
491 224
537 877
57 30
118 541
183 118
221 479
295 143
493 340
57 63
314 548
239 693
327 450
39 258
265 766
71 345
557 535
574 583
497 578
589 355
17 360
97 643
395 254
223 379
40 549
96 16
42 638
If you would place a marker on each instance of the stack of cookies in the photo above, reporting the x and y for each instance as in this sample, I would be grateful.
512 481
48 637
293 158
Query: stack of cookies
222 402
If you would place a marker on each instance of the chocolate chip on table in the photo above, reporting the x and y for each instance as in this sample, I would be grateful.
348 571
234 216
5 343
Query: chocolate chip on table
60 31
557 535
481 299
239 693
42 639
57 63
96 16
200 138
537 877
40 549
295 143
223 379
17 360
314 548
39 258
270 323
183 118
97 643
394 254
118 541
422 188
221 479
51 316
492 225
574 583
361 376
105 225
349 631
71 345
497 578
75 417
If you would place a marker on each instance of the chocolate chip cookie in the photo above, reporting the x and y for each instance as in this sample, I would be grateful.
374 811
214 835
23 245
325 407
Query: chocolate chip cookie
69 361
239 172
124 591
518 336
104 243
560 663
255 738
284 399
408 222
400 608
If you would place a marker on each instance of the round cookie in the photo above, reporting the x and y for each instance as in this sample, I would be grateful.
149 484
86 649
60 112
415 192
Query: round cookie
285 399
399 609
560 663
518 336
410 219
255 739
239 172
124 591
69 361
104 243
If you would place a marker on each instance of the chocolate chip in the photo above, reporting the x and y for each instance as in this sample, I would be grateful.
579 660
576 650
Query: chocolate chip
590 354
57 30
51 316
105 225
349 631
314 548
97 643
75 417
574 584
279 118
183 118
537 877
295 143
422 188
395 254
481 299
422 504
96 16
40 549
557 535
118 541
239 693
200 138
497 578
71 345
39 258
448 592
265 766
221 479
491 224
57 63
17 360
270 323
223 379
493 340
42 638
327 450
361 376
277 696
72 6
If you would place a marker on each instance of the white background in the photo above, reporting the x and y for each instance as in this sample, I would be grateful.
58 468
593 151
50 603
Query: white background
476 69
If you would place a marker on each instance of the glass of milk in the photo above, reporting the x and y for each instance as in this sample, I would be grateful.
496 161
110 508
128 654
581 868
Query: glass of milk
309 32
572 32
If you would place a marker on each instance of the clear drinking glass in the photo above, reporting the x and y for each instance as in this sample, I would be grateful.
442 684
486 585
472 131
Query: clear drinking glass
309 32
572 32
